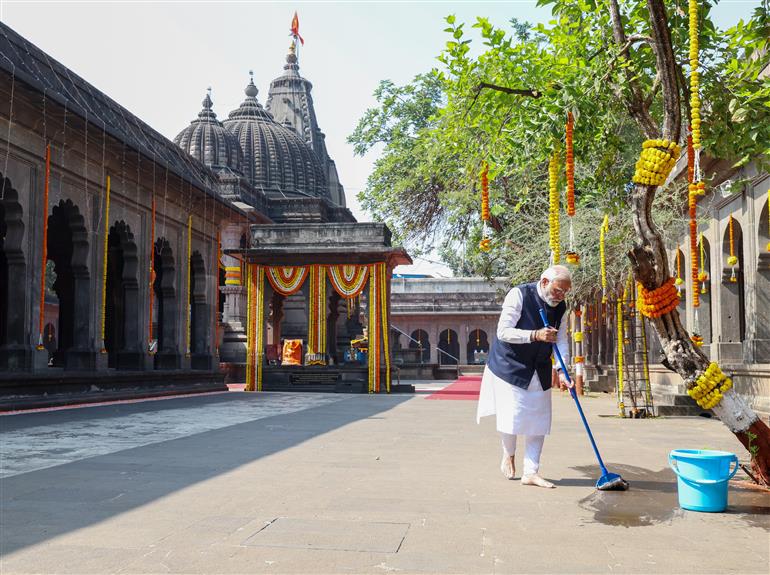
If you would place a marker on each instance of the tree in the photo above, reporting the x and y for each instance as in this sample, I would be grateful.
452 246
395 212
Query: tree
621 72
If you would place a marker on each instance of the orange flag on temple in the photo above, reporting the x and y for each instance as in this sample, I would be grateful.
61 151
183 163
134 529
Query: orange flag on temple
295 28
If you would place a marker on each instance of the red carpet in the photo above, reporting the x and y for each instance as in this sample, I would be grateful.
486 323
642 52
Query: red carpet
466 387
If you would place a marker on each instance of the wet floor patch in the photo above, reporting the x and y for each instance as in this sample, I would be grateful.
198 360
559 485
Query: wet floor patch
652 499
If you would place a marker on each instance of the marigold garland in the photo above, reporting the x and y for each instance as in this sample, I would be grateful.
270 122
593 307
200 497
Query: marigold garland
703 276
678 281
485 244
287 280
619 318
44 257
572 258
710 387
657 302
570 161
553 203
732 261
692 199
605 227
697 339
579 359
578 336
694 76
655 162
348 280
104 264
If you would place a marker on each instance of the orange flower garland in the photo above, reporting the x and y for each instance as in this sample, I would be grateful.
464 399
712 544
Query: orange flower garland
691 202
732 261
570 167
485 243
679 281
657 302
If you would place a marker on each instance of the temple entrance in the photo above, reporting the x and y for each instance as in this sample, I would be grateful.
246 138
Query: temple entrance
165 307
448 344
121 330
67 248
478 346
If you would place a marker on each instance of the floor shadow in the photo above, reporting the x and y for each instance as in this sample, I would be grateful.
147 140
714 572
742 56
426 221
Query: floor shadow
40 505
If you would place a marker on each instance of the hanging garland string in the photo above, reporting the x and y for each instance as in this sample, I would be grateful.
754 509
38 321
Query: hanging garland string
189 281
692 207
287 280
605 227
374 331
572 256
104 264
485 244
619 318
44 256
385 321
215 294
250 340
679 281
732 261
695 120
553 204
152 275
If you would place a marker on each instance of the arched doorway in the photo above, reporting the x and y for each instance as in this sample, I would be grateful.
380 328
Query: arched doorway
478 346
447 343
199 316
762 290
732 311
421 341
703 311
165 307
68 250
122 338
15 349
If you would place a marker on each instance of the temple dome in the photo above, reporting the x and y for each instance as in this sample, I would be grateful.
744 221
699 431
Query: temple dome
207 140
276 159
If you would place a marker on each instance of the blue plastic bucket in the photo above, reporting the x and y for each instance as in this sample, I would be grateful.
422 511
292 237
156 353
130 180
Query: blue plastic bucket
702 477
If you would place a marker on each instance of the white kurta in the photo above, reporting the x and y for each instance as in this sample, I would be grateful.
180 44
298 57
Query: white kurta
519 411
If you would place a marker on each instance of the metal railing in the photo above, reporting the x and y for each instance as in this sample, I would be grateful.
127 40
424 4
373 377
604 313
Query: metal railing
457 364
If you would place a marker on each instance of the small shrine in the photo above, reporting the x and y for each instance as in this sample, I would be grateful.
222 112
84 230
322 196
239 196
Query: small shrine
318 306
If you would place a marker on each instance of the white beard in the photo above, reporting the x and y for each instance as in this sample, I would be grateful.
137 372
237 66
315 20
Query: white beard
550 301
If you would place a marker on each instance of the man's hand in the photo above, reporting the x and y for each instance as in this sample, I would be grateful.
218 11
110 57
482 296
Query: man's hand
546 334
564 381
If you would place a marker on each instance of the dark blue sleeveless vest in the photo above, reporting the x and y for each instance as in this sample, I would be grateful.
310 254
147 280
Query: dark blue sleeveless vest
516 362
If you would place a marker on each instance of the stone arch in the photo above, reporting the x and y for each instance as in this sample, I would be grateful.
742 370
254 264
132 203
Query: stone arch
762 290
165 312
421 340
200 319
15 347
68 250
447 342
122 331
478 341
704 310
731 295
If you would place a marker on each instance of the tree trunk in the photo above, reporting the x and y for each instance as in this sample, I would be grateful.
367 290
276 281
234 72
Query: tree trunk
650 262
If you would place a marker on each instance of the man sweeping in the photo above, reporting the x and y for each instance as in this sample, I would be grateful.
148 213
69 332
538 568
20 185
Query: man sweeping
516 386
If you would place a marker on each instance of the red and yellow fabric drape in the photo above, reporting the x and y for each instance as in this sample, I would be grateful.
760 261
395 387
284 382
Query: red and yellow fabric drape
287 280
316 329
255 330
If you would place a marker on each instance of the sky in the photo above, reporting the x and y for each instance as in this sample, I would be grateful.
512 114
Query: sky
157 59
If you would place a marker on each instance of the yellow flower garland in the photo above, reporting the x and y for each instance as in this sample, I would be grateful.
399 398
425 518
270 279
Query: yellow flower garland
710 387
694 76
485 244
732 261
605 227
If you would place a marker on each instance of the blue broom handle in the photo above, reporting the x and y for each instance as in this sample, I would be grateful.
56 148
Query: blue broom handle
574 395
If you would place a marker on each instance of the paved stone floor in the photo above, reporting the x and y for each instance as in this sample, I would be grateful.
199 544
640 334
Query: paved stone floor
314 483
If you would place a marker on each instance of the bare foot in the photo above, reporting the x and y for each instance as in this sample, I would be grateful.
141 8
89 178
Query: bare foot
536 480
507 466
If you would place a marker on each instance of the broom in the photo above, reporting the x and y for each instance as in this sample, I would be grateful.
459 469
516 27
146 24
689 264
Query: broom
608 481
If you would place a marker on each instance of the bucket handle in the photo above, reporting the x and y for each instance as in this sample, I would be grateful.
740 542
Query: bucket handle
672 463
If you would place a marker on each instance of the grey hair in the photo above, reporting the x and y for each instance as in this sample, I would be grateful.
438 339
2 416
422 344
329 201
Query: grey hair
556 272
